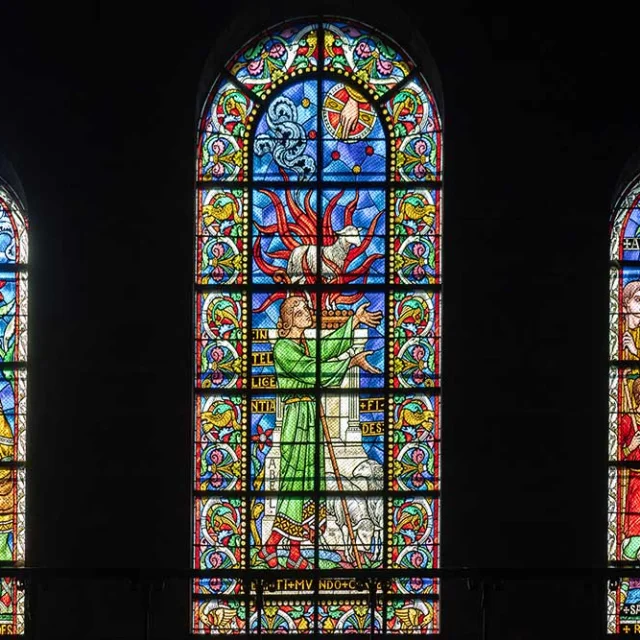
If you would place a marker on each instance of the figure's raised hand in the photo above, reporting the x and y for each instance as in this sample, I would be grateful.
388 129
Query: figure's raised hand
348 118
360 360
370 318
629 344
635 442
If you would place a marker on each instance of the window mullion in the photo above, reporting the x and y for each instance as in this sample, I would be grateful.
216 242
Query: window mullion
319 438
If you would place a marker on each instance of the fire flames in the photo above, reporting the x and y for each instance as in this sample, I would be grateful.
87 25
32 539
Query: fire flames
297 232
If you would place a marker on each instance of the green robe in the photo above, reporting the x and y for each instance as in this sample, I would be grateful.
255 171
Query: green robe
295 365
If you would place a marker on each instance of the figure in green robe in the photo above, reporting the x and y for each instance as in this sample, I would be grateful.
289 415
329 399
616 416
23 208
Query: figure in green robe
295 359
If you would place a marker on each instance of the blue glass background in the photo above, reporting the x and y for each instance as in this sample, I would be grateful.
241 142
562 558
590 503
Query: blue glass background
304 96
368 153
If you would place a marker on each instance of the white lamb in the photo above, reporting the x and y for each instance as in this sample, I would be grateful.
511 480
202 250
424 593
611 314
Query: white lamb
303 259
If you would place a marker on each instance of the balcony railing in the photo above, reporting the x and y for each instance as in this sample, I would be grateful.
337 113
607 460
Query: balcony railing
143 598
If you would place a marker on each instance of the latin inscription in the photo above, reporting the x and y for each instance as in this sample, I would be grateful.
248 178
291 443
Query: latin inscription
372 428
325 584
262 358
263 382
260 335
263 405
371 404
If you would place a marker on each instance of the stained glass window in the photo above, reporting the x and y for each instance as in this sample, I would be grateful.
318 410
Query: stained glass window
623 610
13 397
317 311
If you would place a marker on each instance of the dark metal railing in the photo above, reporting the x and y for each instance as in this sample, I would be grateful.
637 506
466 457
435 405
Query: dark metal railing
369 585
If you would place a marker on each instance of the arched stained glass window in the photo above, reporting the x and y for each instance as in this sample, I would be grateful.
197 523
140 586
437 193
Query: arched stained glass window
13 397
317 307
624 406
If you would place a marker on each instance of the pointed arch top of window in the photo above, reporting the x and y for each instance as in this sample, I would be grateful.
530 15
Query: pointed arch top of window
373 67
13 221
13 229
396 28
625 214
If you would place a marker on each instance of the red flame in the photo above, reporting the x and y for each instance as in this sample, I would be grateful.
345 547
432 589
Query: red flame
300 231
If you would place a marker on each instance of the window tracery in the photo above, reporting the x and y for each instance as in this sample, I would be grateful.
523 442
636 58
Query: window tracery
317 305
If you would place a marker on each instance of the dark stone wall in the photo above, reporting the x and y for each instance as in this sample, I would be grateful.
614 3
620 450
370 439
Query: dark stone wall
97 115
